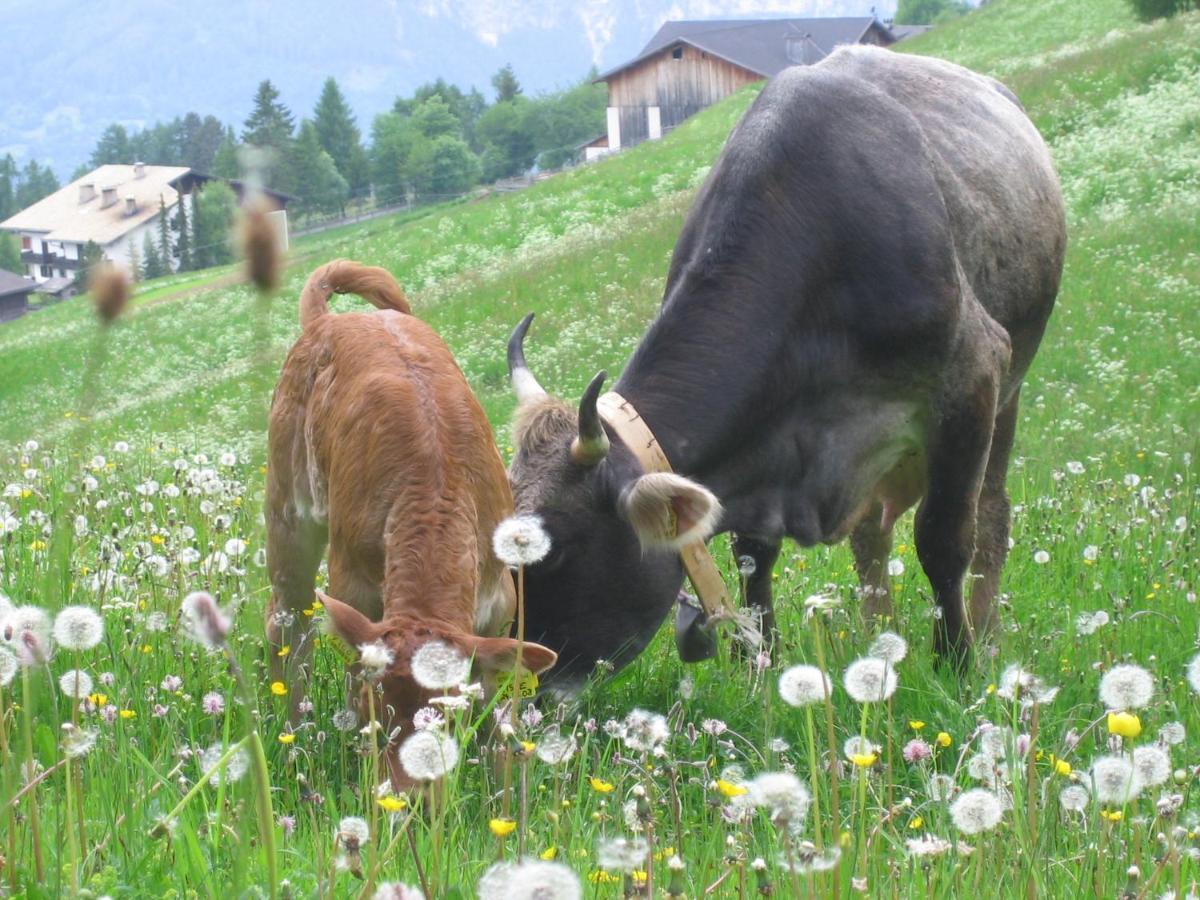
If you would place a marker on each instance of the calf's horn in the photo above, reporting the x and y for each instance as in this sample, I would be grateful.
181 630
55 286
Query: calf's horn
525 386
591 445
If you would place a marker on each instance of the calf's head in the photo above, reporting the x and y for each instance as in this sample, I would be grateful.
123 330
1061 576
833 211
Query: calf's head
613 570
406 661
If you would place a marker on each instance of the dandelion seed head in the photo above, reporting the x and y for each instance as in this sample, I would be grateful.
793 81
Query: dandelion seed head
1114 780
78 742
1193 673
555 748
529 879
352 832
976 811
870 680
644 731
345 720
782 794
1126 686
395 890
75 684
521 541
941 788
26 631
622 854
8 667
888 646
203 621
1151 765
375 659
235 766
1074 798
807 859
428 755
1172 733
803 685
927 845
78 628
437 666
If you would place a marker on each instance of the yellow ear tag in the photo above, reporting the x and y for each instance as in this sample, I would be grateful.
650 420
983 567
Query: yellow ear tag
527 684
341 648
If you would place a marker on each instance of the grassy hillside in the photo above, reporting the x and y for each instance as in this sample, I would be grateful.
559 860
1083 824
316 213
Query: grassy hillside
1103 567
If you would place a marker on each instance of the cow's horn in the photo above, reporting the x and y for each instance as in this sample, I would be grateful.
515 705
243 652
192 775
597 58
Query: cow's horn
592 444
525 386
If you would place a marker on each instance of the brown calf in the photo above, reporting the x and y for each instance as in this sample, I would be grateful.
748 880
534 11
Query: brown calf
378 448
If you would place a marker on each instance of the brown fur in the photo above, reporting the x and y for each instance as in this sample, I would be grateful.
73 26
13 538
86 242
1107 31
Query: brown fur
378 446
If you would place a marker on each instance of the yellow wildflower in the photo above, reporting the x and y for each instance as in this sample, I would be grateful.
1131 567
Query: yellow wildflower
599 876
128 714
944 740
1114 816
1127 725
278 688
502 827
729 789
916 724
284 650
98 699
916 822
391 803
1062 767
549 853
639 876
600 786
864 760
991 689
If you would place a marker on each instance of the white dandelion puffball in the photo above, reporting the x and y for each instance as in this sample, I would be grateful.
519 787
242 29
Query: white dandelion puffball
556 748
395 890
782 794
1114 780
1172 733
888 646
530 879
804 685
1193 673
870 680
1126 687
1019 684
26 630
437 666
941 788
927 845
375 658
78 628
235 766
8 667
76 684
622 854
352 831
1151 765
976 811
78 742
521 541
203 621
428 755
1074 798
644 731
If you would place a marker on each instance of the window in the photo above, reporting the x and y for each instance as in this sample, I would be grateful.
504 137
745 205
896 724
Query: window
26 242
677 53
47 272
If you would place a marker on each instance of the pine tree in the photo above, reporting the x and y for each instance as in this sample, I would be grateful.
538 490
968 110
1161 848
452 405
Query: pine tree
270 127
164 238
339 136
225 163
324 187
212 218
183 246
506 84
152 265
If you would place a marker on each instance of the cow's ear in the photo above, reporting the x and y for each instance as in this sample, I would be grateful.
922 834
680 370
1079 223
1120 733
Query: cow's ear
496 655
347 623
668 510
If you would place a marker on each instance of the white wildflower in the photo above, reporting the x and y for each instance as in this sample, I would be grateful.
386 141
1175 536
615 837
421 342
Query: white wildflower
555 748
622 854
975 811
870 680
1114 780
1151 765
803 685
428 755
889 647
1074 798
235 766
644 731
530 879
782 794
76 684
1126 687
436 665
375 658
521 541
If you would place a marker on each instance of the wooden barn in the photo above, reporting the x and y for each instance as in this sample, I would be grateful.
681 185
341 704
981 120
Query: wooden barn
689 65
14 295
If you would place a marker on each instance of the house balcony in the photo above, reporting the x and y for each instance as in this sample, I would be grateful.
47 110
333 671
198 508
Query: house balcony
57 260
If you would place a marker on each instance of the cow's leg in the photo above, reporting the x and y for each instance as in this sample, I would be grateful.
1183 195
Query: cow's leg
872 546
295 545
346 583
991 541
945 523
755 558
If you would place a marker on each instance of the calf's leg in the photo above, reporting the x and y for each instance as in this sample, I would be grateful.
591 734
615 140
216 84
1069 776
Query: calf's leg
872 546
755 558
991 542
295 545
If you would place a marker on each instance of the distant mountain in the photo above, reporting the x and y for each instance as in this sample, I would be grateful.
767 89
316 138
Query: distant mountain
73 68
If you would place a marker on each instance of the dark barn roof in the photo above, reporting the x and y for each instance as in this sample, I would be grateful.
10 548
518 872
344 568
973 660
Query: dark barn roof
11 283
763 46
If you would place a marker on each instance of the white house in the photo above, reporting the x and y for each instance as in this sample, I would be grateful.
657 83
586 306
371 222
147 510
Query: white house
115 206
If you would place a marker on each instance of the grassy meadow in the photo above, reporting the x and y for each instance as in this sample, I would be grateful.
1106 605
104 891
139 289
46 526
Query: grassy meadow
131 475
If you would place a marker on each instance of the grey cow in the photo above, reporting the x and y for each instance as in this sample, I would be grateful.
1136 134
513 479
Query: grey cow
855 298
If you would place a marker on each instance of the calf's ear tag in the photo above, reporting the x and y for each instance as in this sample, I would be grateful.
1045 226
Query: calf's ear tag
341 648
527 684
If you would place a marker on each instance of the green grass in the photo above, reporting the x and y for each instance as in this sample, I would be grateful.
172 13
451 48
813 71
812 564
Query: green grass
1103 484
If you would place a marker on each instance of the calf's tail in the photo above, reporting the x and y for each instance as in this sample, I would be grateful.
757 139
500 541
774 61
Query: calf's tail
342 276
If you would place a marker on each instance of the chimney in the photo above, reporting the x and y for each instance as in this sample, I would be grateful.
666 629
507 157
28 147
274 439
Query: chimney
139 169
87 192
131 207
108 197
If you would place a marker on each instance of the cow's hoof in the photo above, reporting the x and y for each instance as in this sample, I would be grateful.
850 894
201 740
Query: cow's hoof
693 638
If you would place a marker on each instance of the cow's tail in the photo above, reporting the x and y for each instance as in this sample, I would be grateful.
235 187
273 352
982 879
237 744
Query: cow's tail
345 277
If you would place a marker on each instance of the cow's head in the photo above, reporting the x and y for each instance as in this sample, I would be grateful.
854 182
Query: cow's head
398 692
613 570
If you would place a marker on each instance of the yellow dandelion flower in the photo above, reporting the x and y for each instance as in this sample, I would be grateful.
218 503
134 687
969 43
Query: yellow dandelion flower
98 700
729 789
128 714
916 822
391 803
287 738
639 876
944 740
549 853
278 688
1062 767
156 539
991 689
1127 725
864 760
284 650
599 876
527 746
502 827
916 724
600 786
146 648
1115 816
